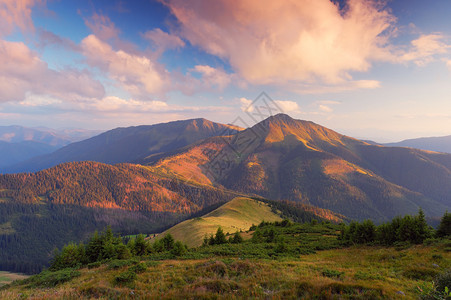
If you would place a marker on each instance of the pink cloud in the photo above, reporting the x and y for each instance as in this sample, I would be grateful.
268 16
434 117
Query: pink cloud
135 72
16 13
274 42
162 40
102 27
22 72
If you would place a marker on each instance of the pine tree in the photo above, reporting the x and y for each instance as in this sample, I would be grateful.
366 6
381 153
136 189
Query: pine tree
220 237
444 228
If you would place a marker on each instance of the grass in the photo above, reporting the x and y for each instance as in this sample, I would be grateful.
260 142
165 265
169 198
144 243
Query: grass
238 214
7 277
361 272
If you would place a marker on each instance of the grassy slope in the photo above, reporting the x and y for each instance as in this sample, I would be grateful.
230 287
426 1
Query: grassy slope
368 273
7 277
238 214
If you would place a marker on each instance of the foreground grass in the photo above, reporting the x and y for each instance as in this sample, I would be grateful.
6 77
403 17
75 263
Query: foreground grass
7 277
357 272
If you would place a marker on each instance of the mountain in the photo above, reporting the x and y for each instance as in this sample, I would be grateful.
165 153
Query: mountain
284 158
43 210
438 144
52 137
129 144
12 153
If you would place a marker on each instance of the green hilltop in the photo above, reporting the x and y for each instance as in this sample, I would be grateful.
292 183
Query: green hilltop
237 215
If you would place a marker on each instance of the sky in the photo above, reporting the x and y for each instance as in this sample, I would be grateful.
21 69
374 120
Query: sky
377 70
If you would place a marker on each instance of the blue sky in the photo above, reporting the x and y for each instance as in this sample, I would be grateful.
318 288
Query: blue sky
368 69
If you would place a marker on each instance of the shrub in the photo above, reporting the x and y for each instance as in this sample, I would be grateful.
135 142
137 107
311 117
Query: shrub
420 273
50 279
331 273
443 281
125 278
139 268
179 249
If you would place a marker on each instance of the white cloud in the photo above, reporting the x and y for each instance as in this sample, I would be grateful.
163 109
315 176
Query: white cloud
325 108
246 105
288 107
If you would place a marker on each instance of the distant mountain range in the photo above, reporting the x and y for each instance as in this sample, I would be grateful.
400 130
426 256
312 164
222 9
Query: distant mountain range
438 144
18 143
130 144
51 137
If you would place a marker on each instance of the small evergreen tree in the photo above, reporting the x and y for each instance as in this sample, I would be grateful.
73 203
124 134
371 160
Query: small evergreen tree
444 228
168 242
179 249
220 237
237 238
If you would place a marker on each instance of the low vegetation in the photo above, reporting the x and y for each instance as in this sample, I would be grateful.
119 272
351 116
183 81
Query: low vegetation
280 259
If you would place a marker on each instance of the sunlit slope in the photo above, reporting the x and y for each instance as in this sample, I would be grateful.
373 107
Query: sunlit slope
238 214
284 158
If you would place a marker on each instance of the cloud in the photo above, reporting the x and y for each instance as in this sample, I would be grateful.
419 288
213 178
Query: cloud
283 106
16 13
288 106
246 105
138 74
425 48
325 108
212 77
162 40
274 42
448 64
102 27
22 72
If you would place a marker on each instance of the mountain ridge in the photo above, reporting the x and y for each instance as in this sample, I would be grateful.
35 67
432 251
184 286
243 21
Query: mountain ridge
128 144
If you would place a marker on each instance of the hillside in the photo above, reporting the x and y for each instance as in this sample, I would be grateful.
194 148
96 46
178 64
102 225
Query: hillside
283 158
437 144
237 215
131 144
44 210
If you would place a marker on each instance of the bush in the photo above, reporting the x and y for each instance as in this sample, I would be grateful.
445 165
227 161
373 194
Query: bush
443 281
50 279
179 249
420 273
125 278
139 268
331 273
117 264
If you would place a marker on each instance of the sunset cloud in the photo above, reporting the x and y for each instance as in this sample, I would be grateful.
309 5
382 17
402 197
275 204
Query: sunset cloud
102 27
136 73
22 72
253 37
425 48
16 13
162 40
